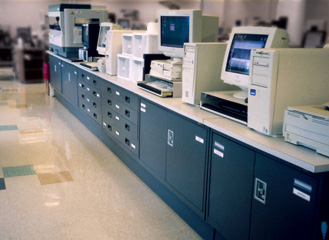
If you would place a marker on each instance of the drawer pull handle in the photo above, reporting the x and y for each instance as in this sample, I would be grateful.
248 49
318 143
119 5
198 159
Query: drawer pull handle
109 127
109 114
83 106
109 102
82 75
94 104
95 115
127 127
83 96
109 90
127 113
88 100
94 82
127 99
127 141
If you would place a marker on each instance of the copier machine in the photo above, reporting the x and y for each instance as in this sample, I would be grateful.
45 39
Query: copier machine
308 126
65 24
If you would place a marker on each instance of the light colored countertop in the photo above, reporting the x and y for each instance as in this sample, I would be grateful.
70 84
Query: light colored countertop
276 146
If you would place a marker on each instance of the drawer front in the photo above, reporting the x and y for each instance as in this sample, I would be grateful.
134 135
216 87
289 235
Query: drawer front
108 89
90 78
125 111
89 110
126 127
128 98
90 91
91 103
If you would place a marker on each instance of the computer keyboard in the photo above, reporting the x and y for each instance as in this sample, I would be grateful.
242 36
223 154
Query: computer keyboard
161 85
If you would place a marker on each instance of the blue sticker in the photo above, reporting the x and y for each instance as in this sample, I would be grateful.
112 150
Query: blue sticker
253 92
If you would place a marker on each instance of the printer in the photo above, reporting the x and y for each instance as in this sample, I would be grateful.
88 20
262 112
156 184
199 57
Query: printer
65 24
308 126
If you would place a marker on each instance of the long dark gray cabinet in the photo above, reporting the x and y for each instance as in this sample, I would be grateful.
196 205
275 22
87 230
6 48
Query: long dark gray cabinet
224 188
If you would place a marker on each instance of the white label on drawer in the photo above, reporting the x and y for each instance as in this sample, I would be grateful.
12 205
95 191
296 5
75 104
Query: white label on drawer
199 139
88 110
143 105
104 124
80 84
117 133
143 109
97 95
117 106
133 146
88 88
301 194
219 153
75 73
117 118
88 100
117 93
88 78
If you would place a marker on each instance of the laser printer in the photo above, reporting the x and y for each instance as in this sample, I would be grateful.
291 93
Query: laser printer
308 126
65 24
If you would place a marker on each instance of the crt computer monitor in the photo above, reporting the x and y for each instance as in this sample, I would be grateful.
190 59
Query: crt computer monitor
104 27
177 27
236 63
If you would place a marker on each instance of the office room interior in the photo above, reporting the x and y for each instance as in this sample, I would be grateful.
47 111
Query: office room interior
89 152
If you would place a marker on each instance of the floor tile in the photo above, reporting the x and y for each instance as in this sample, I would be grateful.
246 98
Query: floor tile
2 184
8 127
18 106
18 171
51 178
3 103
31 131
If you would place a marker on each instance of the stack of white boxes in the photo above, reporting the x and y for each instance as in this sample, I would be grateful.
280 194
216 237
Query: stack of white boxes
131 62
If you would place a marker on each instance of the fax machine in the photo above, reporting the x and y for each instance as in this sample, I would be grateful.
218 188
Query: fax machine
65 24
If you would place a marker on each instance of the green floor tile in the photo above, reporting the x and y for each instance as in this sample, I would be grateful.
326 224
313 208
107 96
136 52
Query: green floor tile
8 127
3 103
2 184
18 171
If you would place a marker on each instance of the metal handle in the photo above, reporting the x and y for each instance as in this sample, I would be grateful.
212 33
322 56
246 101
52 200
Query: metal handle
170 138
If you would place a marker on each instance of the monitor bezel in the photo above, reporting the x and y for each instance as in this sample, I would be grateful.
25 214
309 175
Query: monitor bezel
102 50
238 79
195 30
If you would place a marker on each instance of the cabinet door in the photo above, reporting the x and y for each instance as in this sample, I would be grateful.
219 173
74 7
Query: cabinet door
153 137
230 192
55 66
70 83
186 159
284 202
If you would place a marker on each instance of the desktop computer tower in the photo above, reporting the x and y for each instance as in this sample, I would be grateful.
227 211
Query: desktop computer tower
202 66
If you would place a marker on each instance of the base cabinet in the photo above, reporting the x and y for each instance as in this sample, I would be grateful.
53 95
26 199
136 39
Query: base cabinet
288 208
70 83
230 188
55 71
153 138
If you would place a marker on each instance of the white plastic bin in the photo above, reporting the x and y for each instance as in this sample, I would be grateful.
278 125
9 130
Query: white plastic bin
127 43
144 43
137 69
124 66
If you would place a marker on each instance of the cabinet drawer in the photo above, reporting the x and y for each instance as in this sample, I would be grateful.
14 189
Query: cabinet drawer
125 111
89 90
95 115
128 98
90 102
90 78
108 89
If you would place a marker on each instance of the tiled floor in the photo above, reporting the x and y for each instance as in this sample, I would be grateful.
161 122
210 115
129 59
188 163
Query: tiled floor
58 181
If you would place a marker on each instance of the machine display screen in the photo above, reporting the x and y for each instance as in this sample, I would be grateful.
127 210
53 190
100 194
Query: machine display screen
174 31
54 23
238 60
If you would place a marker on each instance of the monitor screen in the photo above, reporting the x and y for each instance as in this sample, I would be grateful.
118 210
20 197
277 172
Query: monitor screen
102 36
175 31
238 60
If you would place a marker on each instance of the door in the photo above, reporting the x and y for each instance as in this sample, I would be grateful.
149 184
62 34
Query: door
55 66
